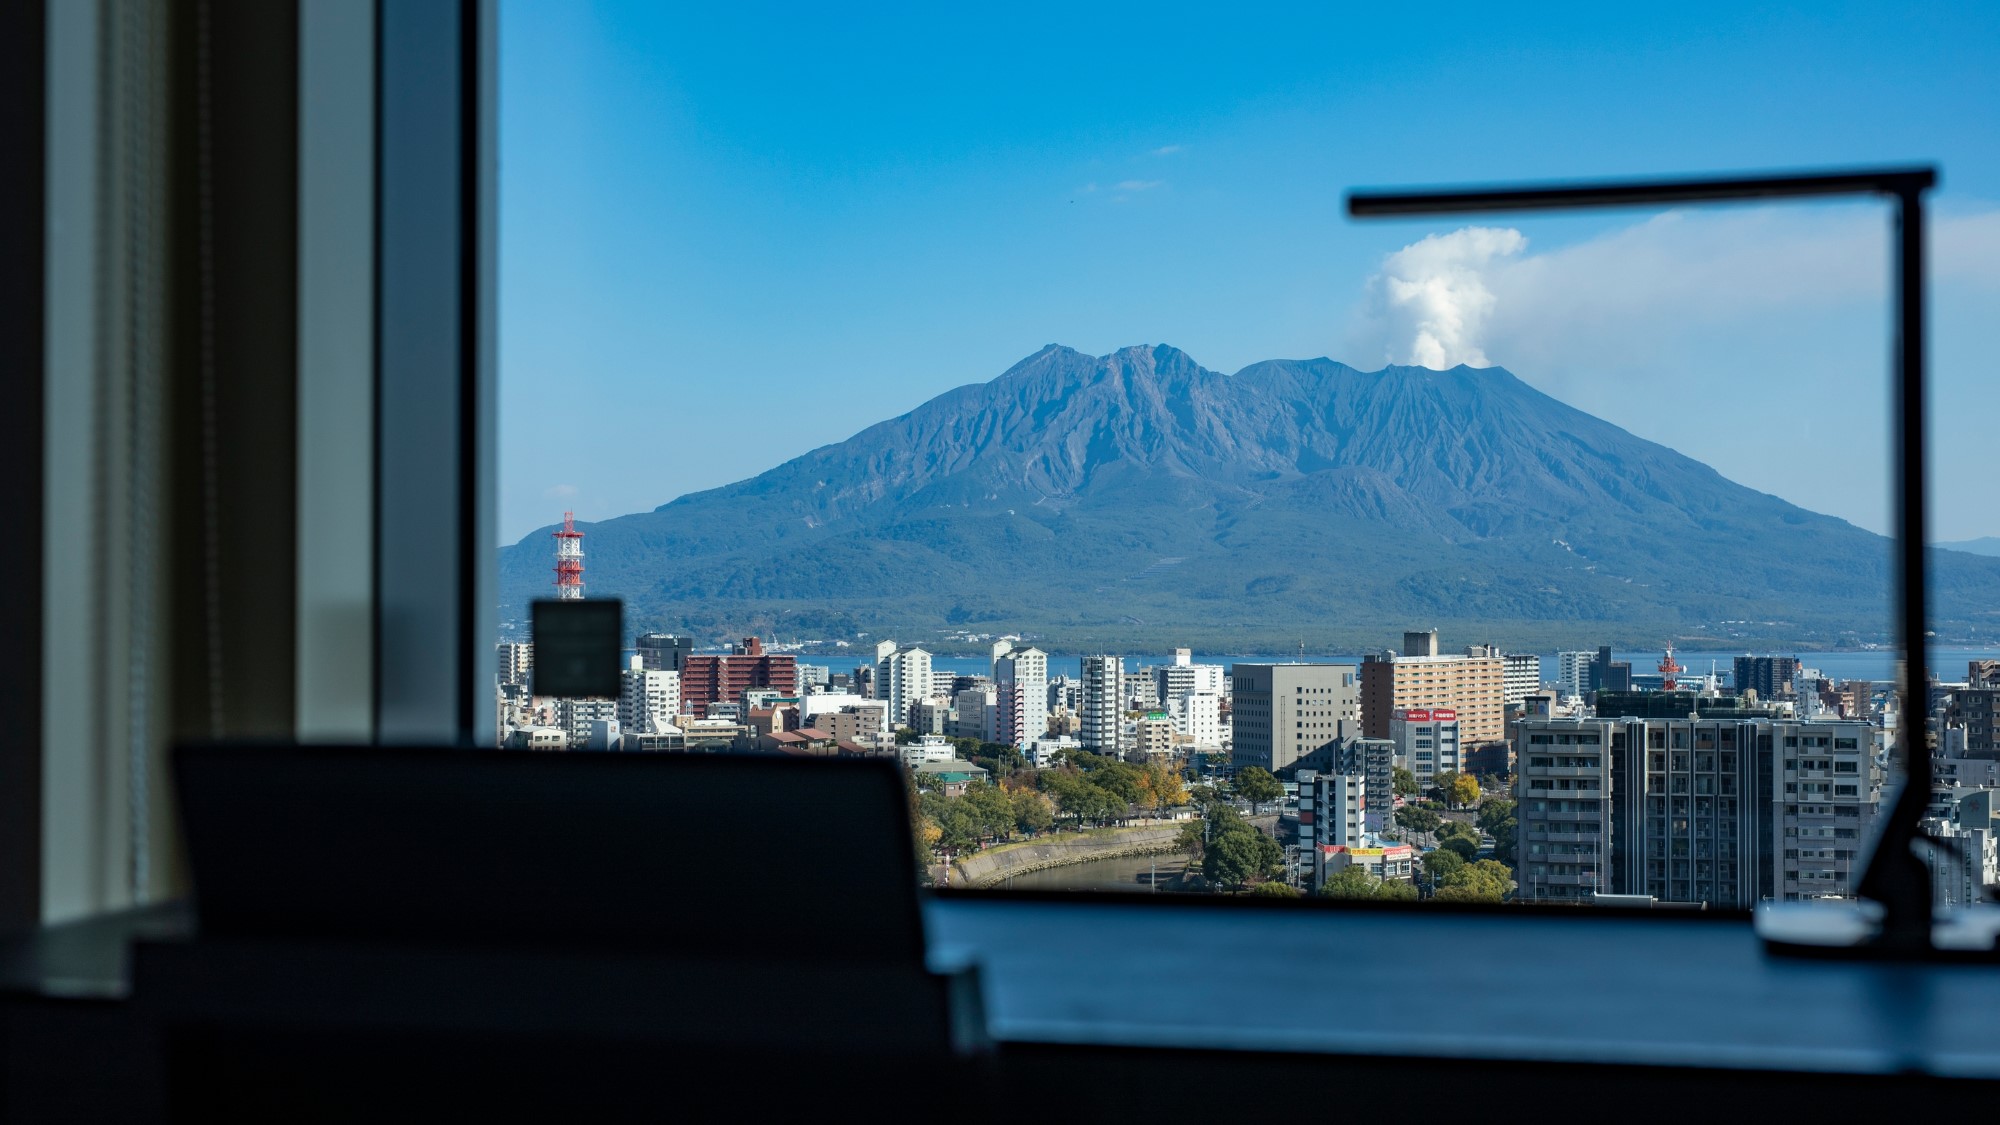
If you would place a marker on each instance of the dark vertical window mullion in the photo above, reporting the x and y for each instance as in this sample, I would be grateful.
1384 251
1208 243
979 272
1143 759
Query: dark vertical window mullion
23 207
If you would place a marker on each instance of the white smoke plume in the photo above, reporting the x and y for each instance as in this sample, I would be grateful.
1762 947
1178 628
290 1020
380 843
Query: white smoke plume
1434 294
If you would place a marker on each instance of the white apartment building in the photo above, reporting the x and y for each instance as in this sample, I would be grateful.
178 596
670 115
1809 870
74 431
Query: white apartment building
902 677
1021 691
1332 809
1197 715
647 699
1426 741
1172 681
1103 704
574 716
1521 676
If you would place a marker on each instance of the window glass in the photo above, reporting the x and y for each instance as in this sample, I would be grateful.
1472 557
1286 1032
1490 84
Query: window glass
1012 401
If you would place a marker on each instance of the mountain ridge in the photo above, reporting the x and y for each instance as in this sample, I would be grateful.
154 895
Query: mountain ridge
1297 493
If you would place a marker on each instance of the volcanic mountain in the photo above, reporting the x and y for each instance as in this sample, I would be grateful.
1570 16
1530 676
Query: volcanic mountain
1139 498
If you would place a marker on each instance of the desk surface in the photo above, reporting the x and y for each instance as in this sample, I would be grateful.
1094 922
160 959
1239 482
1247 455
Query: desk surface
1663 991
1669 991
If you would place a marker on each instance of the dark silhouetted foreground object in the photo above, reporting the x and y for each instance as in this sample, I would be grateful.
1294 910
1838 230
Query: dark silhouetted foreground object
404 930
577 644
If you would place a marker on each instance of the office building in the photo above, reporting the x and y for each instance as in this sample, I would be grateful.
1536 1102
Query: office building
973 713
1607 674
1427 742
1728 811
1382 862
1102 708
931 716
1283 712
1771 677
1472 686
1021 690
711 679
664 652
902 677
647 699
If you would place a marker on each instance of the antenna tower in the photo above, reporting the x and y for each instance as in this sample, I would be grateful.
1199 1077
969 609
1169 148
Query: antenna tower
569 560
1669 669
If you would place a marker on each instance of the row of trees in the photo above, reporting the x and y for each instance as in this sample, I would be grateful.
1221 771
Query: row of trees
1450 876
1085 789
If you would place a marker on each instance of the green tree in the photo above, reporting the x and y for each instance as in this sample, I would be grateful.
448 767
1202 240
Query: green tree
1275 890
1236 857
1032 811
1396 890
1440 865
1420 820
1497 817
905 736
990 809
1348 882
1485 881
1465 849
1404 783
1256 785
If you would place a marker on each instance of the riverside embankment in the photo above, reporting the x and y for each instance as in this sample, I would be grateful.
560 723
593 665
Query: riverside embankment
995 864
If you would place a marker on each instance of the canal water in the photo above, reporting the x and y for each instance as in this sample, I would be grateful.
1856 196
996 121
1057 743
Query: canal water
1130 873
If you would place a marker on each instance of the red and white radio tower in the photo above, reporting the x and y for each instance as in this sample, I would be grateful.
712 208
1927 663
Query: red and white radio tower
1669 669
569 560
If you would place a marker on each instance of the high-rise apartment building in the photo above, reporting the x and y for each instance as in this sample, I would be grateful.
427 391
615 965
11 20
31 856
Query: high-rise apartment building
1724 810
1573 672
1332 808
648 700
1520 672
902 677
1283 712
1473 686
517 663
1521 677
1021 689
711 679
1103 704
1976 710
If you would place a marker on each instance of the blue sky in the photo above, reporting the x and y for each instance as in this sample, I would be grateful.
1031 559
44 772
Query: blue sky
730 236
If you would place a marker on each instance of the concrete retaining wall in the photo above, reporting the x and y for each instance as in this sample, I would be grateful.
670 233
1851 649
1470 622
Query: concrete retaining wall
995 864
